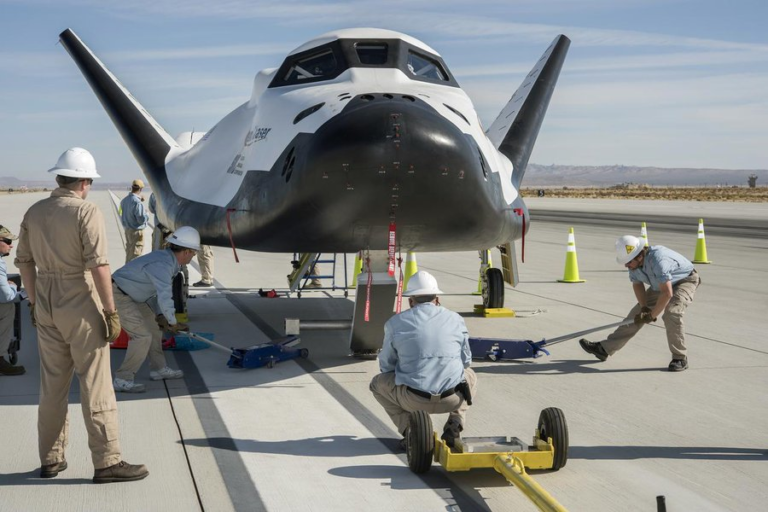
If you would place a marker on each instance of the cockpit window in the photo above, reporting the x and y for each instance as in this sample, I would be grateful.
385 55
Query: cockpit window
372 54
315 66
424 67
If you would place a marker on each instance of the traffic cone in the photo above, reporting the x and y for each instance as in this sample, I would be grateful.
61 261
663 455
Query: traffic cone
571 262
701 246
411 267
358 269
482 270
644 235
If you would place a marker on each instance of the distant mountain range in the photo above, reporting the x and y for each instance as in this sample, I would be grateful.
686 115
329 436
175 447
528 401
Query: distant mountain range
607 175
553 175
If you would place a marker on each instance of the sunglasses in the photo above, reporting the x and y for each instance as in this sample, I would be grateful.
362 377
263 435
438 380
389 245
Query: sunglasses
7 241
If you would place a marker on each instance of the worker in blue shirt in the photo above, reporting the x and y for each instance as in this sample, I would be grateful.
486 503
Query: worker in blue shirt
144 300
134 218
672 282
8 293
424 361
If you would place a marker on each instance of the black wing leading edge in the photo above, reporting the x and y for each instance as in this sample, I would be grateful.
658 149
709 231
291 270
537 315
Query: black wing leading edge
515 130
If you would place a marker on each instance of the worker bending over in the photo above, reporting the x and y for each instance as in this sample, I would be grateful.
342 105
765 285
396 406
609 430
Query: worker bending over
672 282
144 298
425 361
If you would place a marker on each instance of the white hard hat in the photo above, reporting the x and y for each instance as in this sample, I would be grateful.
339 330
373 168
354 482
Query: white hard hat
422 283
76 163
185 236
627 248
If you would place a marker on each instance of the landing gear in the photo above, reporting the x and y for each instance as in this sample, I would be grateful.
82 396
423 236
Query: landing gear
552 425
493 289
420 442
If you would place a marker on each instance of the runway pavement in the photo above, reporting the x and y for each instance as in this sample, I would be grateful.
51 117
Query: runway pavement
308 435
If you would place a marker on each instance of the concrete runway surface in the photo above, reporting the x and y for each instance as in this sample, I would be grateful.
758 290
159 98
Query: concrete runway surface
308 435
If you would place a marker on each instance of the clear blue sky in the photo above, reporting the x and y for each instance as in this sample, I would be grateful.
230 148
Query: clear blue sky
671 83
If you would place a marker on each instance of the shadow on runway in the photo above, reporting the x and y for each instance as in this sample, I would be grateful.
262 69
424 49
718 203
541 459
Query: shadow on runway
329 446
33 478
555 368
666 452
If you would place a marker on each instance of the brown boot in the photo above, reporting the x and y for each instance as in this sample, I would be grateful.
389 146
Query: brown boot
7 368
51 470
120 472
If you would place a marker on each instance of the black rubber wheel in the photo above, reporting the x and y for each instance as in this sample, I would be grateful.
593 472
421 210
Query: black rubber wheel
552 424
13 357
271 363
420 442
304 353
493 289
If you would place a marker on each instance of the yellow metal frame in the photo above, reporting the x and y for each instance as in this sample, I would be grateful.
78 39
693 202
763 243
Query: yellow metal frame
493 312
511 465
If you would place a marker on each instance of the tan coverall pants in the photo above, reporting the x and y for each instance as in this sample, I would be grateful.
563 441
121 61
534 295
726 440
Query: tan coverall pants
205 259
71 337
138 320
7 314
682 295
134 243
398 402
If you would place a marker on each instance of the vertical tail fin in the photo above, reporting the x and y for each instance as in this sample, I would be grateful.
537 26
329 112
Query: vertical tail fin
146 139
514 132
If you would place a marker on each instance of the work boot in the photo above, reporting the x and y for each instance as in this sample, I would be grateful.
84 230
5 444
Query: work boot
315 283
51 470
127 386
8 369
596 349
451 433
202 284
166 373
120 472
678 365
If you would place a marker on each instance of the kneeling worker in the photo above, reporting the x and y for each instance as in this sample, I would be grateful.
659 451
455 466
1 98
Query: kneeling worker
143 281
425 361
672 284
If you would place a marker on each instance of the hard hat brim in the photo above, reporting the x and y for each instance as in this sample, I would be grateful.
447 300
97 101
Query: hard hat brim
72 173
422 291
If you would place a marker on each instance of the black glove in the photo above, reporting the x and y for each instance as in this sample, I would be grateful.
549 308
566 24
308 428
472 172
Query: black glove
32 315
113 325
644 317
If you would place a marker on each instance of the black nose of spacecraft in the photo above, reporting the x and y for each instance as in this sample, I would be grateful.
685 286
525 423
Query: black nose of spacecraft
389 157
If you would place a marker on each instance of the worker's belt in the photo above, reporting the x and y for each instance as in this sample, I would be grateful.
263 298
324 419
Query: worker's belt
118 288
447 392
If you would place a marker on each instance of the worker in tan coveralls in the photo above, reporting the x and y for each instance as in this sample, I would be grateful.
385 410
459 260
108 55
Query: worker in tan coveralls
62 257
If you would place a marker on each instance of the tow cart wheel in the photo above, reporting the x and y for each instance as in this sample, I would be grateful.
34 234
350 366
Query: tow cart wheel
420 444
271 363
304 353
13 357
552 424
493 289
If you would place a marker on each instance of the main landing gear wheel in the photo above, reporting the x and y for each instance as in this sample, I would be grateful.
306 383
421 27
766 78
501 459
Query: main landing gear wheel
552 424
420 442
493 289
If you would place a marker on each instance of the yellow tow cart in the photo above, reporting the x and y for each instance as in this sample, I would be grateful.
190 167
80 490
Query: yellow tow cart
507 455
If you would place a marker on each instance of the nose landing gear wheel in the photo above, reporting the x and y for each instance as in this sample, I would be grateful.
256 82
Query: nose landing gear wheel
552 424
420 442
493 289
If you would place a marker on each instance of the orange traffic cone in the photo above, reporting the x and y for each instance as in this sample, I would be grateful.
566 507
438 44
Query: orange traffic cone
701 246
571 274
644 235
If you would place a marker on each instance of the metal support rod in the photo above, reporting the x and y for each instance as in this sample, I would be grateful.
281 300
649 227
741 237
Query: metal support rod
294 326
213 344
513 470
559 339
